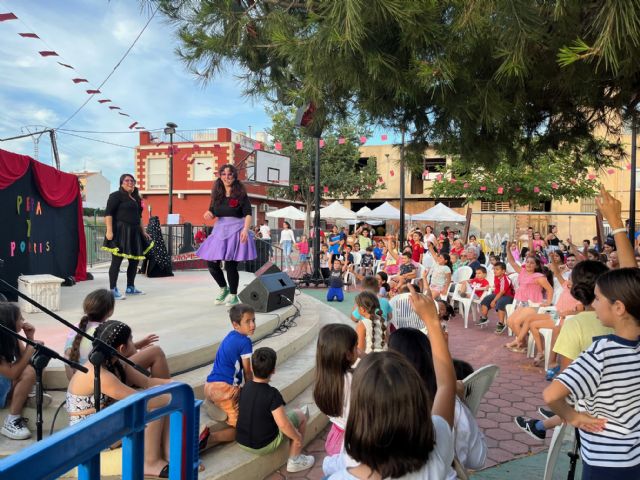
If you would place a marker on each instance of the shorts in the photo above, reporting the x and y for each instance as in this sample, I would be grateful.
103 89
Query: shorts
335 440
276 442
225 397
6 385
501 304
304 257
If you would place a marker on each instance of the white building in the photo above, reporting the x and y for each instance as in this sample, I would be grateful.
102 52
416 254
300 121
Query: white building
95 189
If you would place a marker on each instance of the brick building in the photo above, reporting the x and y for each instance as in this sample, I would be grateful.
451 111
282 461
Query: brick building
196 159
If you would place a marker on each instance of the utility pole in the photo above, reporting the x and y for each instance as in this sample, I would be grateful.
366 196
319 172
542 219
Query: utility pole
170 130
51 133
402 194
632 186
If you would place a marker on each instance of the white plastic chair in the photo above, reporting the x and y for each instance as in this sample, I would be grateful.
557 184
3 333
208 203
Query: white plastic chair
349 279
554 451
403 313
469 304
508 312
477 384
463 273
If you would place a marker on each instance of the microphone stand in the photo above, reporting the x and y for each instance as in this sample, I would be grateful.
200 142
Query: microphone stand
39 361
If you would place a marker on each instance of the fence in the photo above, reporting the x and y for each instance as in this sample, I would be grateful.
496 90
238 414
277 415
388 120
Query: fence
81 444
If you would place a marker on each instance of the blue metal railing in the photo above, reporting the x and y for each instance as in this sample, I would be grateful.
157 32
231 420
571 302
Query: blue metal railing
80 445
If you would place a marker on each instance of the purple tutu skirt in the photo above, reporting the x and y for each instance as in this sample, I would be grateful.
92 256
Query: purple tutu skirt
224 242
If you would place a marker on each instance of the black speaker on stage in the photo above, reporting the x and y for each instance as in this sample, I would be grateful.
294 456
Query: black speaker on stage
269 292
267 269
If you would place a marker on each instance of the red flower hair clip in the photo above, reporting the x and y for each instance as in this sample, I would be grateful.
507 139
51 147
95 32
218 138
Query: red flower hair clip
233 202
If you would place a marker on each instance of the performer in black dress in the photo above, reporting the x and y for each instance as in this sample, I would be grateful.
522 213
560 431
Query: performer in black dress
125 237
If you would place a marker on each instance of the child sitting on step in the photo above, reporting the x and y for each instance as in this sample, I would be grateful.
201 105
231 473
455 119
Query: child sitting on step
232 360
17 377
98 307
263 422
336 354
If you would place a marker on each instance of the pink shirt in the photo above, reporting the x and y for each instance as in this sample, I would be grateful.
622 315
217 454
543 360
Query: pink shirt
303 247
566 301
528 290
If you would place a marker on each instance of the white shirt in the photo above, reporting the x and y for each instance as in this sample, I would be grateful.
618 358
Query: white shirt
436 468
265 231
287 234
341 421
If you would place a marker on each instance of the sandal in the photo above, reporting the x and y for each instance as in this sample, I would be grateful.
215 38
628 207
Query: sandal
538 361
517 349
164 473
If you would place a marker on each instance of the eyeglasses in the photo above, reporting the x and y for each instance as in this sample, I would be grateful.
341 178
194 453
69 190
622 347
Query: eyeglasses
227 175
128 180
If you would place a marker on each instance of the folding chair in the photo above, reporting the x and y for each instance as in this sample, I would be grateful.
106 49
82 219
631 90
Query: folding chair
477 384
554 451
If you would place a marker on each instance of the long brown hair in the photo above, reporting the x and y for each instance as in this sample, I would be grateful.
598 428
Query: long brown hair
333 360
389 428
369 301
97 306
238 190
9 317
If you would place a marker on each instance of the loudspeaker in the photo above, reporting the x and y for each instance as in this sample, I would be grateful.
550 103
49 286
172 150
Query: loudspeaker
268 292
267 268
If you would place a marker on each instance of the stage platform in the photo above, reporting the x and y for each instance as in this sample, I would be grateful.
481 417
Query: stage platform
179 309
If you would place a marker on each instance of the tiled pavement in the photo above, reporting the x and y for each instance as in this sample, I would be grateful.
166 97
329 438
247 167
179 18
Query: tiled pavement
517 390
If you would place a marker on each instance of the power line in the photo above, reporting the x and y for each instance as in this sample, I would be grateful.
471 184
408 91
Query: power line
96 140
112 71
106 132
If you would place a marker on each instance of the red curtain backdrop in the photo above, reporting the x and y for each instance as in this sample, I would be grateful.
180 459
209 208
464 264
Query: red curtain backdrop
57 188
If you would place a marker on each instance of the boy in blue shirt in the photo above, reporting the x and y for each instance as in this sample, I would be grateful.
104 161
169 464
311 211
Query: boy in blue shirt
232 360
377 252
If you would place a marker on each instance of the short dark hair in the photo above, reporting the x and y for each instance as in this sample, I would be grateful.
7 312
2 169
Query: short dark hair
407 254
263 362
237 312
369 248
370 283
622 285
482 269
587 241
570 255
502 265
583 280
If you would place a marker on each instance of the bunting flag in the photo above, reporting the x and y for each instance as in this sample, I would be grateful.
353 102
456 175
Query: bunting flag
325 189
257 146
500 190
341 141
611 171
48 53
591 176
28 35
554 185
104 101
629 166
132 125
66 65
392 173
299 145
363 140
278 146
124 114
425 175
439 177
465 185
483 188
311 188
536 189
452 180
321 143
93 92
7 16
79 80
140 128
112 107
384 137
296 188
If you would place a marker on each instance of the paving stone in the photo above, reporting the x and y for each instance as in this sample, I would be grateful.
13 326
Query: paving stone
514 446
499 434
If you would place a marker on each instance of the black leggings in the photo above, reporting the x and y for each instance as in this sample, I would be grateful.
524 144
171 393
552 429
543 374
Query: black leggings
232 274
114 270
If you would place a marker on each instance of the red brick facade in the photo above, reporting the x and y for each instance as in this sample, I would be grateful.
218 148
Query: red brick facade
192 162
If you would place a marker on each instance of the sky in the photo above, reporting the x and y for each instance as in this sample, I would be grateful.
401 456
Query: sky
152 84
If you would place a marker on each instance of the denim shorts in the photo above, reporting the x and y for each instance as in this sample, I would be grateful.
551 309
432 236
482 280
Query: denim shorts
303 257
5 388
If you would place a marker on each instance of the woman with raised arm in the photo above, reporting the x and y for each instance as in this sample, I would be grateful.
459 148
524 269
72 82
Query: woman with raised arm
231 240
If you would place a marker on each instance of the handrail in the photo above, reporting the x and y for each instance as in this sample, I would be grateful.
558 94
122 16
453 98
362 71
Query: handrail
80 445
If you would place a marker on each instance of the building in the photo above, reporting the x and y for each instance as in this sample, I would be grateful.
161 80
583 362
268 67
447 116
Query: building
197 157
95 189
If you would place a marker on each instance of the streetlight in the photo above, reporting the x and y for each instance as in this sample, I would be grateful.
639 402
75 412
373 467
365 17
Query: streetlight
170 130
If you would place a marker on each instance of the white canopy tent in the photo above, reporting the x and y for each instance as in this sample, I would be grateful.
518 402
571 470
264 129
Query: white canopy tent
360 212
439 213
336 211
386 211
290 213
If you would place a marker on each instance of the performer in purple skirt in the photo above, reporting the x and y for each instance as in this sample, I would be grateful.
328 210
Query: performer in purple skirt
231 240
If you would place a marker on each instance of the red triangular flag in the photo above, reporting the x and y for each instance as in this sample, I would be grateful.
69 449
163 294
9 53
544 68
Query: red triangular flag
257 146
311 188
93 92
611 171
321 143
296 188
278 146
299 145
363 139
66 65
79 80
132 125
325 189
383 137
104 101
48 53
28 35
7 16
114 108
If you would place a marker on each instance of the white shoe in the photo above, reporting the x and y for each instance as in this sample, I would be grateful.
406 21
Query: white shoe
17 429
300 463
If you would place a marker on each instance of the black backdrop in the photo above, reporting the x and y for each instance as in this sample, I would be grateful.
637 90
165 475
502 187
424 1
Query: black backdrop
53 234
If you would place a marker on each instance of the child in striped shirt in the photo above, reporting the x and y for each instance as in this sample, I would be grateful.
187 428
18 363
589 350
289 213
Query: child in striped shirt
605 380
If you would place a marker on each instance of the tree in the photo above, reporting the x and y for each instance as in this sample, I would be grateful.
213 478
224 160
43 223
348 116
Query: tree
341 172
558 175
484 80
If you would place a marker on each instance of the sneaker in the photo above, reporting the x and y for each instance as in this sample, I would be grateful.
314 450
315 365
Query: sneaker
300 463
131 290
232 300
552 372
546 413
223 295
117 295
483 321
16 429
528 426
31 400
500 327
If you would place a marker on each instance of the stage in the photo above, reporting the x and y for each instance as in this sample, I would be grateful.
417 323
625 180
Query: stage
179 309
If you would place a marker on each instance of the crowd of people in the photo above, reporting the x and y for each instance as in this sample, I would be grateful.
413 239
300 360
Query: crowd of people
388 383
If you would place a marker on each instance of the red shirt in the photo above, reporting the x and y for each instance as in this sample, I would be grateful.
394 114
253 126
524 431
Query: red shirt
416 250
503 284
477 283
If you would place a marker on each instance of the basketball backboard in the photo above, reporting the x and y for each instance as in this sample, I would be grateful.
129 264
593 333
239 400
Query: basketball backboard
268 167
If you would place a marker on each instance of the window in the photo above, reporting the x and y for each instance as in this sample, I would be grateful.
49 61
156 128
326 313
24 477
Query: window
544 206
157 173
588 205
202 169
362 163
434 165
494 207
417 183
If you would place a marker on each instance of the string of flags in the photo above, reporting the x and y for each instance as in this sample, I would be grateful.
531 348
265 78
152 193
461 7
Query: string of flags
76 79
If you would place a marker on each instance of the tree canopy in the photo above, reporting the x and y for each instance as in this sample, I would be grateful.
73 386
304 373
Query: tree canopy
485 80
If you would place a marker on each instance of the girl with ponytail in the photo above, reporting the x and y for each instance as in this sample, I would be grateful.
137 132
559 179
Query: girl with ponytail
98 307
371 329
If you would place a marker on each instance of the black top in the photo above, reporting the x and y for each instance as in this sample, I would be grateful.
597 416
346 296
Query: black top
555 241
256 427
335 279
123 208
231 207
474 266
